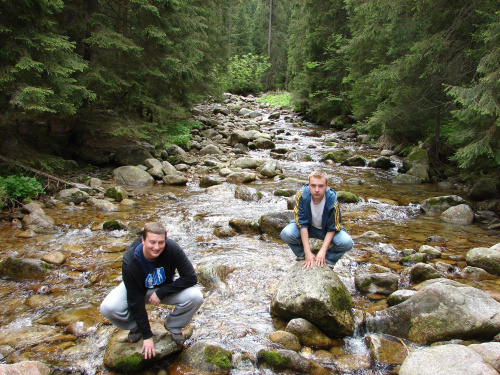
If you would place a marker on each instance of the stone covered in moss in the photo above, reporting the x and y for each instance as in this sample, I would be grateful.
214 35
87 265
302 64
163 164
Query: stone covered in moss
347 197
22 269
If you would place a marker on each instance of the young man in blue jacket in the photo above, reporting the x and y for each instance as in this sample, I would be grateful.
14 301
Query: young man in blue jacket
317 215
148 273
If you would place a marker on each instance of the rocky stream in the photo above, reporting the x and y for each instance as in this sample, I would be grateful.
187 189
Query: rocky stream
422 281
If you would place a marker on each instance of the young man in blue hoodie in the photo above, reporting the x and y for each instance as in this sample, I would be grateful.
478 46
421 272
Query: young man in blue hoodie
317 215
149 276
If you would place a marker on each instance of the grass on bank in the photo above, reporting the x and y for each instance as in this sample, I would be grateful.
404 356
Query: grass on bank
276 99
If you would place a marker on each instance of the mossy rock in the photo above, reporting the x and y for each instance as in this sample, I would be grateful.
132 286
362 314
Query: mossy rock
22 269
132 363
113 225
116 192
284 192
338 156
273 358
347 197
217 356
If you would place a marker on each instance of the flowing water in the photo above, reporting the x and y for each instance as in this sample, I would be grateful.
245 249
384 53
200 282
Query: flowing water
236 315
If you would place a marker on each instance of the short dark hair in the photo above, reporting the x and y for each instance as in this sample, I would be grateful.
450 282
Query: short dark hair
153 227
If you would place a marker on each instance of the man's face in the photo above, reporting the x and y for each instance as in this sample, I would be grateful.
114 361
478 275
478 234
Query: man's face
317 186
153 245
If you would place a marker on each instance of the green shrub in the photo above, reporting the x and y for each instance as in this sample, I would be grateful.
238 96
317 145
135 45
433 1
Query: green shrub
245 74
15 189
276 99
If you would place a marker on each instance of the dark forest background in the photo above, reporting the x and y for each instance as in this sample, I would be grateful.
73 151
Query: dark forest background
406 72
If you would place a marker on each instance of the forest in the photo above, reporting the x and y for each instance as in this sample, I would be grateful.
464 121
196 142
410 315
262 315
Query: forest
407 72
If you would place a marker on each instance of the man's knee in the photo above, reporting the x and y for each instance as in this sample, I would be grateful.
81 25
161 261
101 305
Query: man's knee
106 309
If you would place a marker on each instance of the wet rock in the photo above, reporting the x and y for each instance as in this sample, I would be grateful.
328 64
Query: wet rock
369 237
132 176
125 357
25 368
352 363
240 149
39 223
485 258
338 156
286 339
116 192
283 359
131 155
413 259
241 177
128 202
308 334
347 197
248 163
421 272
102 204
175 180
210 150
421 171
461 214
271 169
382 163
22 269
285 193
386 349
445 360
406 179
33 207
298 156
30 335
208 181
73 195
483 189
274 222
247 194
244 226
490 351
244 363
377 283
438 205
399 296
168 169
213 276
113 225
475 273
206 358
239 136
318 296
441 310
261 144
29 233
154 168
224 232
354 161
432 252
55 257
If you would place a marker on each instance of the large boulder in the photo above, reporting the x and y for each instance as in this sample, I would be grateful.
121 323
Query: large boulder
490 351
25 368
441 310
274 222
22 269
461 214
73 195
248 163
271 169
205 357
132 176
445 360
308 334
125 357
438 205
39 223
318 296
483 189
131 155
487 258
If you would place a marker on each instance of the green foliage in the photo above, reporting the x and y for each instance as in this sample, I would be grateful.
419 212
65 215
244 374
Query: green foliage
274 358
218 356
16 188
245 74
274 100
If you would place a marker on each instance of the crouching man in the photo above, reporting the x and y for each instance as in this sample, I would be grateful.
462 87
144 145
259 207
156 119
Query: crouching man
148 272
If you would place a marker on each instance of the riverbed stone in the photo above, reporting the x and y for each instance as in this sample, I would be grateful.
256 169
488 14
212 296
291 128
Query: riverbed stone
406 179
102 204
412 259
381 162
483 189
205 357
73 195
399 296
318 296
431 251
490 352
284 359
131 155
355 161
369 237
248 163
261 143
273 223
445 360
338 156
175 180
387 349
244 226
210 150
246 193
30 335
22 269
476 273
487 258
438 205
377 283
117 193
347 197
126 357
461 214
132 176
39 223
25 368
441 310
421 272
241 177
213 276
271 169
55 257
224 232
286 339
308 334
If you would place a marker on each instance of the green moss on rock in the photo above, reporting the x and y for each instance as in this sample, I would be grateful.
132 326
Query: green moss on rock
218 357
132 363
341 299
273 358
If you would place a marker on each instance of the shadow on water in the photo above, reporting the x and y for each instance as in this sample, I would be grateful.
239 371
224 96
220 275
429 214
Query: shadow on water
236 314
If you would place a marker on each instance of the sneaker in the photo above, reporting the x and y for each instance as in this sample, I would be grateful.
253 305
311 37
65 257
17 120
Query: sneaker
177 337
134 335
300 258
330 264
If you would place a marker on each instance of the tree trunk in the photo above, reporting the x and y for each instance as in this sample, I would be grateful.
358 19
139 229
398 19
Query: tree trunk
269 28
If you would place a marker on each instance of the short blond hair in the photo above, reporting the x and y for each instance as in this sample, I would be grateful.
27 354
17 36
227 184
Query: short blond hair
153 227
318 174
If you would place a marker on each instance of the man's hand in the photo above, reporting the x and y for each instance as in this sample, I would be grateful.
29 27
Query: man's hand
309 261
154 300
321 258
148 348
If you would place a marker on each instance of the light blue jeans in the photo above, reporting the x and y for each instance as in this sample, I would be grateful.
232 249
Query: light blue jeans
187 302
341 242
